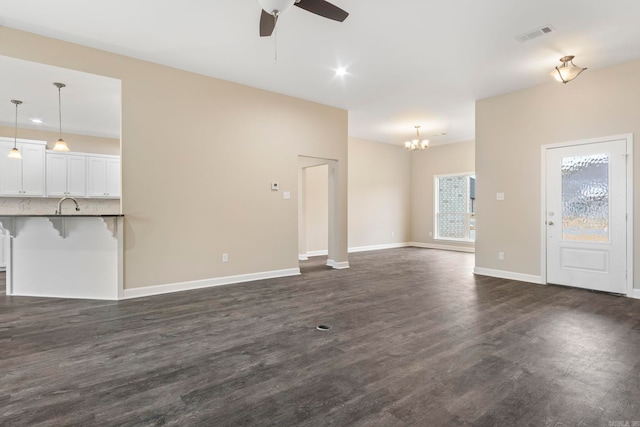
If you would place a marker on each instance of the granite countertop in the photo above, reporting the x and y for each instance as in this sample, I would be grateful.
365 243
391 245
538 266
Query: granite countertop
59 216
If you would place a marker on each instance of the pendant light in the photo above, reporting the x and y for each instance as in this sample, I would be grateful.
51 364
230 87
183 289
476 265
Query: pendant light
15 153
418 143
567 71
60 144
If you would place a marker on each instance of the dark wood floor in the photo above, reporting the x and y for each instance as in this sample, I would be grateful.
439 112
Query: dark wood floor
415 339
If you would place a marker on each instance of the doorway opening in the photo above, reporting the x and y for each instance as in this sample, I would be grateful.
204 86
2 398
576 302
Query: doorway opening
317 213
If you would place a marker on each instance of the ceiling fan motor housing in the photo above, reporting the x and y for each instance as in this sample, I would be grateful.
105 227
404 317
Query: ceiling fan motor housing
271 6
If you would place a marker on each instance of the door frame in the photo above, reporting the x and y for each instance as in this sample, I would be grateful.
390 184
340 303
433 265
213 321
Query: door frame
334 237
629 201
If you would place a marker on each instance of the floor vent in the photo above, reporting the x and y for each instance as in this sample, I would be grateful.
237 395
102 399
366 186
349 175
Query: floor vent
538 32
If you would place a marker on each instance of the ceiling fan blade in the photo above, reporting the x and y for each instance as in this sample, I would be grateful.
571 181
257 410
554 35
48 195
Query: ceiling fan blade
267 24
323 8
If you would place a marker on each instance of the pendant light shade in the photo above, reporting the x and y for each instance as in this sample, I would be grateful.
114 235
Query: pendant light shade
15 153
417 143
60 144
567 71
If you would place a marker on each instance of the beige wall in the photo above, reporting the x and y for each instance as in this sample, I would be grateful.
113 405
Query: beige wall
379 193
198 155
79 143
317 208
510 130
436 160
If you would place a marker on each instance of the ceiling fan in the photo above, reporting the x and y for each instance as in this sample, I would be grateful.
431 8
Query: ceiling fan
272 9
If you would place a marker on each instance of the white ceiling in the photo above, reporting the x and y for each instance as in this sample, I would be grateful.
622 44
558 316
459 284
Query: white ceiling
90 103
409 62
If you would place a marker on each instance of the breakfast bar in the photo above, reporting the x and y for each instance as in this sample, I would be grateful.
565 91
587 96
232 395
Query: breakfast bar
64 256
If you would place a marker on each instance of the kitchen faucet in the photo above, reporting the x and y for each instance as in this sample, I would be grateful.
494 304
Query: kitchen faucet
59 211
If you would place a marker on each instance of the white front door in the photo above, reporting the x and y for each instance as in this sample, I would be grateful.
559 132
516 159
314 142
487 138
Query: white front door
586 211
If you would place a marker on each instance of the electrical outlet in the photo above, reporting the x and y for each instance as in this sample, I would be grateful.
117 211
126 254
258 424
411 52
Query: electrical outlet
225 257
501 256
430 234
393 234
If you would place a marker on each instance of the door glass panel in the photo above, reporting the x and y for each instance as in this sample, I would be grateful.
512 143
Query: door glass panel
585 198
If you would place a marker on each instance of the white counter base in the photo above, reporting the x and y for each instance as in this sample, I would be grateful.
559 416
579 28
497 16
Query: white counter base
77 258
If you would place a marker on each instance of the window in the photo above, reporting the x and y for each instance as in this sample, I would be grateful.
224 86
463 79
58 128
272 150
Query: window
455 207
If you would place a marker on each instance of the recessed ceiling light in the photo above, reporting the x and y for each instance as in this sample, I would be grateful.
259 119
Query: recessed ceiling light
37 121
341 71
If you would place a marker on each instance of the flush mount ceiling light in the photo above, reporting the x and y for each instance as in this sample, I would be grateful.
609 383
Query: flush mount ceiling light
417 143
15 153
567 71
60 144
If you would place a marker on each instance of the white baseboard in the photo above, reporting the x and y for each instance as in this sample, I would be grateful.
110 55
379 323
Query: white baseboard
378 247
305 257
323 252
353 249
338 265
509 275
206 283
442 247
635 294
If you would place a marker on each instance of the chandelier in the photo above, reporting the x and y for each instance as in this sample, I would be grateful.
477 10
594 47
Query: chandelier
417 143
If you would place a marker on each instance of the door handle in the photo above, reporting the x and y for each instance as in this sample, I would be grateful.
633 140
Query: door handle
550 222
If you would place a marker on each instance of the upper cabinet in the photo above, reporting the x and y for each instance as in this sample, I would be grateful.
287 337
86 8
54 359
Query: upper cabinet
22 178
70 174
104 177
66 174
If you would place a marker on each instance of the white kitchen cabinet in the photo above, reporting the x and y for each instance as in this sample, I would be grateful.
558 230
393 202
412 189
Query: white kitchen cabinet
22 178
104 177
66 174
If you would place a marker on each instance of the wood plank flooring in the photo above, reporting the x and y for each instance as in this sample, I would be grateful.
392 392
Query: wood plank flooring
415 339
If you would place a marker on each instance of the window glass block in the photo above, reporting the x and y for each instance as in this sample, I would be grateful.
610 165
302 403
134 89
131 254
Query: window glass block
585 198
452 194
451 225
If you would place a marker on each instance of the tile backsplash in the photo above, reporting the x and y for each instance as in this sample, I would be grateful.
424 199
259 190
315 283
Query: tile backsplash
43 206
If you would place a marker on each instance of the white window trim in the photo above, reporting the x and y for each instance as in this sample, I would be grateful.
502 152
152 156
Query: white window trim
436 193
